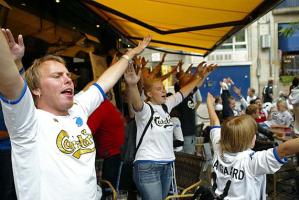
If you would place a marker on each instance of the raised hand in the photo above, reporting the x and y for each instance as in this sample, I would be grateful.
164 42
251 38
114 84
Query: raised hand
17 49
143 62
207 69
142 45
163 58
200 67
130 75
237 90
189 69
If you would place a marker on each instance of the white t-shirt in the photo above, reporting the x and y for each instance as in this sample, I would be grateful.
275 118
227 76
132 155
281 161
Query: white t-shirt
218 107
248 98
280 118
157 144
247 170
53 157
177 132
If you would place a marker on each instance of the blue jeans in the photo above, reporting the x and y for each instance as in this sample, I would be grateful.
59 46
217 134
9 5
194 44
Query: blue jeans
152 179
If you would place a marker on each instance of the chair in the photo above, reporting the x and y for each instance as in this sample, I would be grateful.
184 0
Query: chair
107 185
188 169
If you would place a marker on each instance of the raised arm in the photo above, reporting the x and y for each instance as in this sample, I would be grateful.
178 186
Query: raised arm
214 120
198 81
11 82
133 93
165 76
237 90
114 72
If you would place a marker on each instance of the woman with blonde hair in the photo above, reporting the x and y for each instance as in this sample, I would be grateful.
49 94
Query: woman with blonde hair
152 166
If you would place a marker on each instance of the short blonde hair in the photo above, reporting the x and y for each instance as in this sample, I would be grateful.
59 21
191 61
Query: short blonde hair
32 74
148 84
237 134
282 102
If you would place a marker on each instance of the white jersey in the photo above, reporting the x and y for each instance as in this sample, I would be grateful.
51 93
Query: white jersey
157 144
53 157
177 132
247 170
248 99
280 118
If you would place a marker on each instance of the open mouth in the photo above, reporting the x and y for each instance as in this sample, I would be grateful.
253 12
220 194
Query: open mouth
67 92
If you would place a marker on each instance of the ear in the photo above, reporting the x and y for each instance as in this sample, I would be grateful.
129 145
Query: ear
149 94
36 92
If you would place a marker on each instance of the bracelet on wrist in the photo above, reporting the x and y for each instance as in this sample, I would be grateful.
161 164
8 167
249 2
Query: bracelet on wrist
22 71
126 57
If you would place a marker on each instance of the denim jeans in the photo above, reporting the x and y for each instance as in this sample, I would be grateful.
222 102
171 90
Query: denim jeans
152 179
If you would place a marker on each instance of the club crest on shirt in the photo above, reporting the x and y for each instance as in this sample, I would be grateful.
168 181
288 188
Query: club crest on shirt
82 144
190 104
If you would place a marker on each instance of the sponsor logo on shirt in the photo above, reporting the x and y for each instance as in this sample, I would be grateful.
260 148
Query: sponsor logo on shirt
233 172
163 122
82 144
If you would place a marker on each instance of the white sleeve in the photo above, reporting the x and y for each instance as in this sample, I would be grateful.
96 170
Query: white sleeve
177 130
244 102
144 114
215 135
174 100
91 98
20 117
264 162
289 119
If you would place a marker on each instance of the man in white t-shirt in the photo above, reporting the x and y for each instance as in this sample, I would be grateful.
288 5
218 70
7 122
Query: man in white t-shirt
53 151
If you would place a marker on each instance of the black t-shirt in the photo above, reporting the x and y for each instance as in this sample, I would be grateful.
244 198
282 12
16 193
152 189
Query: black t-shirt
186 111
266 93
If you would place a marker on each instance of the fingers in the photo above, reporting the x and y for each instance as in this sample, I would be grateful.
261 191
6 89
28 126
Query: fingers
5 34
11 40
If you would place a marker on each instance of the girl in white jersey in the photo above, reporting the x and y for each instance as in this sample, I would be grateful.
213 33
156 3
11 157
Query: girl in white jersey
152 165
235 161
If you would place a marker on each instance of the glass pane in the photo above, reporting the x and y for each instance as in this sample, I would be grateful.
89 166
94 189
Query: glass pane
240 36
226 47
289 65
240 46
228 41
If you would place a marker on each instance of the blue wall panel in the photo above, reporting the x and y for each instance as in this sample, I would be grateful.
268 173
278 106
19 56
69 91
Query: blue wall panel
239 74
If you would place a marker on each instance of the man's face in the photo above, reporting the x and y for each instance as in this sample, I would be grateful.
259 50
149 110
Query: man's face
56 88
259 103
250 93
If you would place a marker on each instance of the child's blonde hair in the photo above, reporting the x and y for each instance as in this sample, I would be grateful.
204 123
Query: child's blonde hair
282 102
237 134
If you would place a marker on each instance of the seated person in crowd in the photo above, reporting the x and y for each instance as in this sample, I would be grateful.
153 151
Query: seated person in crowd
280 117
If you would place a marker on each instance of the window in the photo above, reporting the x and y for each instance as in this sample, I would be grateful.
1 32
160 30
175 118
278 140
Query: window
289 64
236 42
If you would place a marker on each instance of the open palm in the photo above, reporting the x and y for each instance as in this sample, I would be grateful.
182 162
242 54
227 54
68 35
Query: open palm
130 75
16 49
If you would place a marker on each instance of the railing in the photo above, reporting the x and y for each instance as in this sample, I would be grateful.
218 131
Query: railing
288 4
